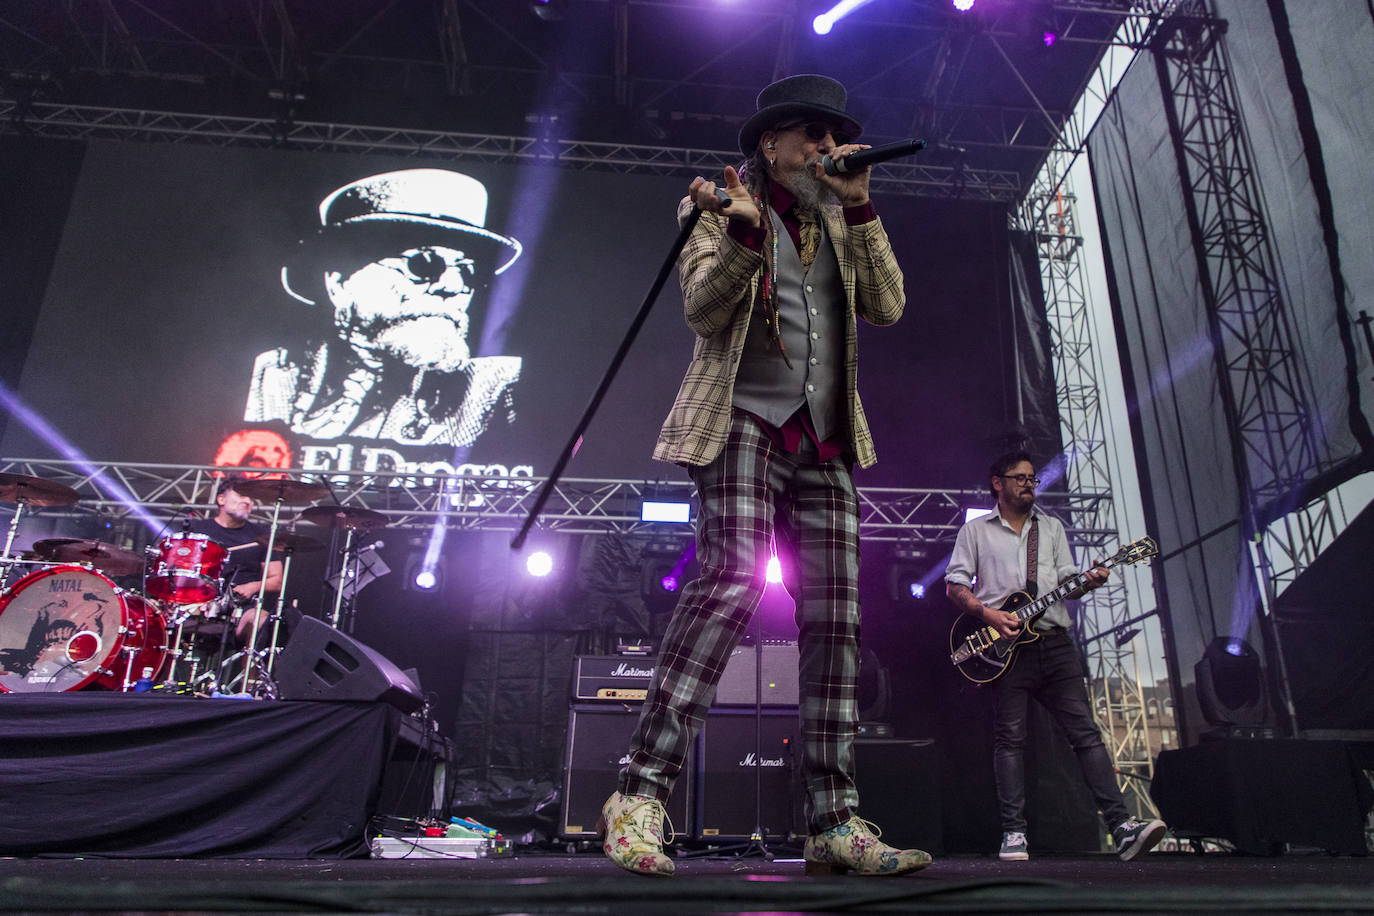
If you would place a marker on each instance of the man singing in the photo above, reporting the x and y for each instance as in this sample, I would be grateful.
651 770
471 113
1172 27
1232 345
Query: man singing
768 424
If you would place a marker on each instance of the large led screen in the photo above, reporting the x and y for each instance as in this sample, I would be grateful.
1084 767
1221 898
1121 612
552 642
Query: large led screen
333 311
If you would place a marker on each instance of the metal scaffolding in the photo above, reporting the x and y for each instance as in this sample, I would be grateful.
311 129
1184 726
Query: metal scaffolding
1107 625
116 492
1263 386
87 122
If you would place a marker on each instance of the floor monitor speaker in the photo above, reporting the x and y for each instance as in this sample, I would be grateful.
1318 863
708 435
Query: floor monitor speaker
322 663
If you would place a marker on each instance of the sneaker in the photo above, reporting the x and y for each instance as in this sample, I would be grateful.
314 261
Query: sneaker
631 830
1013 847
1135 836
854 846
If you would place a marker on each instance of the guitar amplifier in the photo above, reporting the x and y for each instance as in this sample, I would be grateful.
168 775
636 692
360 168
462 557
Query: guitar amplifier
739 684
611 678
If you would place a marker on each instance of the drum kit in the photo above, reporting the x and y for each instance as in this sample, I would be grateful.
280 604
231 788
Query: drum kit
66 624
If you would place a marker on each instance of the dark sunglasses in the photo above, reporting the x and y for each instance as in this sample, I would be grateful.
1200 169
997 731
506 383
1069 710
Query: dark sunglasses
816 131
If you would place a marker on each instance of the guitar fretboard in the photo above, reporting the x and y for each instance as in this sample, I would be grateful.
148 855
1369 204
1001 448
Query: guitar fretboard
1059 593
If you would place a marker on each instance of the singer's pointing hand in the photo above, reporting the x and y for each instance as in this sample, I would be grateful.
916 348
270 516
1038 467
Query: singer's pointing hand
741 205
850 187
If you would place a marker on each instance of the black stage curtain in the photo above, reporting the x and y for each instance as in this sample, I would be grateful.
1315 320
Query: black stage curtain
143 776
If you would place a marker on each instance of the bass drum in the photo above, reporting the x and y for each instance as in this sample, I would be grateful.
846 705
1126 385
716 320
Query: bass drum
69 627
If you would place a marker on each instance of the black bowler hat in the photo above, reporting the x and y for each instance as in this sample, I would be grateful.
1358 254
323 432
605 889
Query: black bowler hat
805 95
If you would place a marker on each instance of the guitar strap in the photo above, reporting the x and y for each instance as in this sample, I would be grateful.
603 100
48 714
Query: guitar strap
1032 558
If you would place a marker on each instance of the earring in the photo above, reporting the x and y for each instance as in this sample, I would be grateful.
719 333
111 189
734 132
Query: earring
772 163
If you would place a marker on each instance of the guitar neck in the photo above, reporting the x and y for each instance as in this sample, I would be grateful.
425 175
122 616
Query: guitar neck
1060 592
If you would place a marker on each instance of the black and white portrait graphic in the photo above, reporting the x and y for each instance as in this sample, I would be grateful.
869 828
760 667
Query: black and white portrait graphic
398 273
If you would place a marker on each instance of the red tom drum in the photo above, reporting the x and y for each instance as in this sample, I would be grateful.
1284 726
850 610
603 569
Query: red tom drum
188 569
68 627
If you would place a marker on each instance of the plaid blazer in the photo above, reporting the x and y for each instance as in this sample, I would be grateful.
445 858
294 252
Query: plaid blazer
720 286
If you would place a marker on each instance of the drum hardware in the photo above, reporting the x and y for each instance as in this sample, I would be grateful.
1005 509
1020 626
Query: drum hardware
280 490
289 543
23 490
349 519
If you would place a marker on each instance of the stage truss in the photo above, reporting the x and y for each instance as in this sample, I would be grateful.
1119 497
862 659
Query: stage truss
122 493
94 122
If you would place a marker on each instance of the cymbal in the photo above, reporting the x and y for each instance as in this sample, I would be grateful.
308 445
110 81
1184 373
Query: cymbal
271 489
43 549
109 559
298 543
35 491
343 517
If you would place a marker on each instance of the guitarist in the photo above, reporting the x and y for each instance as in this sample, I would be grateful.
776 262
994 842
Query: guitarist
995 556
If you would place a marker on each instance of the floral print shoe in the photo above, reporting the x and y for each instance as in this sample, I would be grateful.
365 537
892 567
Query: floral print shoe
854 846
631 828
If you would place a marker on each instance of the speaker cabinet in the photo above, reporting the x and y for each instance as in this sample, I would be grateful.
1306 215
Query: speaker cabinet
899 790
321 663
726 775
598 746
739 685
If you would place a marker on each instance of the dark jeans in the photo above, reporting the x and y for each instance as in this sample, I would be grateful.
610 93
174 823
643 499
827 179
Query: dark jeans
1050 671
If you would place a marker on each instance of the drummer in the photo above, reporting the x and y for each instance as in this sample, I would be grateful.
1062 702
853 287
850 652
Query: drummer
243 572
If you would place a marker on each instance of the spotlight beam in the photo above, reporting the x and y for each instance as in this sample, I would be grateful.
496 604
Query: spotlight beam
823 23
44 430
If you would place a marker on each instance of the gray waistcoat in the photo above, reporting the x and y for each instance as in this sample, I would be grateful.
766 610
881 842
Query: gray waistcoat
811 315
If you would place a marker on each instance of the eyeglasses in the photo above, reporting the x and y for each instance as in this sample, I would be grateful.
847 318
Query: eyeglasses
817 130
427 265
1022 479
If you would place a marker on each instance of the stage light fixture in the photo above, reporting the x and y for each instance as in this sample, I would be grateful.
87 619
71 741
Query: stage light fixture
539 564
823 23
422 576
549 10
1043 26
1230 685
963 6
912 572
651 510
774 571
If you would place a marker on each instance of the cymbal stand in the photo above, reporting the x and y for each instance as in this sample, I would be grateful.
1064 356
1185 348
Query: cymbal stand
281 606
343 572
250 653
6 561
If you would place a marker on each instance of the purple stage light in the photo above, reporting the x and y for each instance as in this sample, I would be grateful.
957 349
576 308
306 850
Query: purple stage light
44 430
774 573
1049 38
963 6
669 583
539 564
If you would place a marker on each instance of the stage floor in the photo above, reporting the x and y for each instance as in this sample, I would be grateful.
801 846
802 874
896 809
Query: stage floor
587 883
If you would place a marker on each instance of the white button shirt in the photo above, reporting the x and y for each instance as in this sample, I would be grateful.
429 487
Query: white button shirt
990 558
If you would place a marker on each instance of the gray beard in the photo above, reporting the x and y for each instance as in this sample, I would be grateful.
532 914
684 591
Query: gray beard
810 193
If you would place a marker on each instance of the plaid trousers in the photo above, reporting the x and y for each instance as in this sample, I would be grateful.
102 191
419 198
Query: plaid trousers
750 493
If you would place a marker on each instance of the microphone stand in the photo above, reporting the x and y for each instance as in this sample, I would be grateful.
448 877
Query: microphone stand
544 491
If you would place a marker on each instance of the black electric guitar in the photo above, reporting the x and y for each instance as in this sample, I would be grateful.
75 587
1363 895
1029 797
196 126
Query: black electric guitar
981 653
